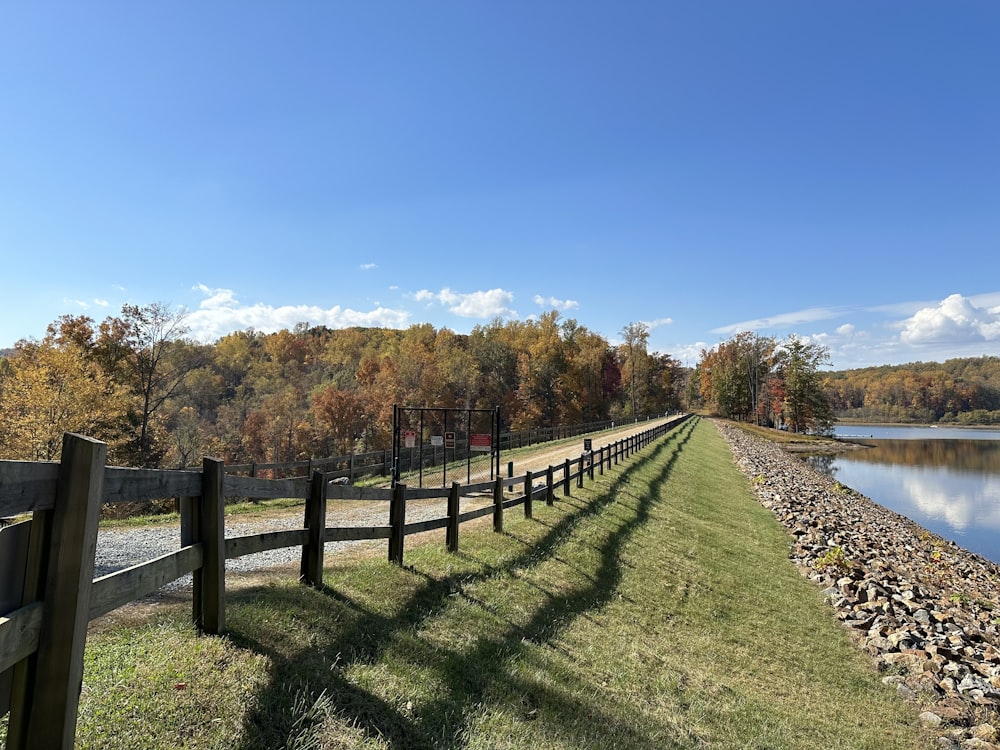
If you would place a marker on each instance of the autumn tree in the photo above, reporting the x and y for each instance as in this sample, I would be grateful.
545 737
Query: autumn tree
734 376
137 349
589 361
493 349
806 406
341 418
52 387
667 383
541 364
635 364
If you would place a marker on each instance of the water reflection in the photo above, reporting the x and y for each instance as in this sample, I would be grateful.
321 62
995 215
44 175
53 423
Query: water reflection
951 487
982 456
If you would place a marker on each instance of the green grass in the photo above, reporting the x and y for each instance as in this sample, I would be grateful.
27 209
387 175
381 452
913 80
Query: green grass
655 608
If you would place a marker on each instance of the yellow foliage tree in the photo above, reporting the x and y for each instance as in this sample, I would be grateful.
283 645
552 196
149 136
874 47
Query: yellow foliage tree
50 388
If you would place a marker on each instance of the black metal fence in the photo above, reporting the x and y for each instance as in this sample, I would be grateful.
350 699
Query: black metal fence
379 463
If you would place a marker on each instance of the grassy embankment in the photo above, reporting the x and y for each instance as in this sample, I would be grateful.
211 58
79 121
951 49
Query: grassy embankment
655 608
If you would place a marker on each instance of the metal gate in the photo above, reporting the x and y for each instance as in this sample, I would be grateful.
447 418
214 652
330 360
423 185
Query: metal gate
434 446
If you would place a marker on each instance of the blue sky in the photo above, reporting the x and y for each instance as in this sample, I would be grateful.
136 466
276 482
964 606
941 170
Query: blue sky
827 169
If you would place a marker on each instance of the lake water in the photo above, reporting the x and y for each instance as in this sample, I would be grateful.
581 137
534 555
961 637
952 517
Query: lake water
947 479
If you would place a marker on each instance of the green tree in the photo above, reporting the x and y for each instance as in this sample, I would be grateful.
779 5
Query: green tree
806 406
735 376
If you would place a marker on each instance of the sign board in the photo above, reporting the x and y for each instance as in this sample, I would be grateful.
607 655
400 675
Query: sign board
409 439
449 440
437 440
480 442
587 445
13 561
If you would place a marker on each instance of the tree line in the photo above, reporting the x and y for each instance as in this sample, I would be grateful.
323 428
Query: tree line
958 391
782 384
160 399
766 381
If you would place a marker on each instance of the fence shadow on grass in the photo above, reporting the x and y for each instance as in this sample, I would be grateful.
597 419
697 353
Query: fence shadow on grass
358 635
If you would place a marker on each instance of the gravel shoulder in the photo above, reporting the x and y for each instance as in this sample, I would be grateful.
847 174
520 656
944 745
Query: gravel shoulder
120 548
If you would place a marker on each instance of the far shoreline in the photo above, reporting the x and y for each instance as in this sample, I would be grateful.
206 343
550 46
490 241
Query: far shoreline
919 424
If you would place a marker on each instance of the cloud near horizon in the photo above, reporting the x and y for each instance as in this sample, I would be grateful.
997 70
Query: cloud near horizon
220 313
954 320
894 333
783 320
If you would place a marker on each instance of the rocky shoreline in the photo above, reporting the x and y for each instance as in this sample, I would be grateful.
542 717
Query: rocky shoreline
927 610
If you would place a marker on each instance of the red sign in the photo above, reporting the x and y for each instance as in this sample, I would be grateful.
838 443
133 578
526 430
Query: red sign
480 442
410 439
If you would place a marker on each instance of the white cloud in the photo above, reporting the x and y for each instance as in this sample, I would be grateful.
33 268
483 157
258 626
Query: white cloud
221 313
368 266
954 320
482 304
653 324
215 298
555 303
895 333
784 320
83 304
687 354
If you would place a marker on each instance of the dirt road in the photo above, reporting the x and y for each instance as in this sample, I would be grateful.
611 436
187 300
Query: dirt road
548 454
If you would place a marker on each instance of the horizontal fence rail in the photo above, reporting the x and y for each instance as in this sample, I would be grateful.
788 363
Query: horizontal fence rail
379 463
48 594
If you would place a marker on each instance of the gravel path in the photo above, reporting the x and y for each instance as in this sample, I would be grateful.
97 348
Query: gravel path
122 548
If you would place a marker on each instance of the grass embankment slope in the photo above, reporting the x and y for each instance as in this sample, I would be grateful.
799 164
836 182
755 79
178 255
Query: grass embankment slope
655 608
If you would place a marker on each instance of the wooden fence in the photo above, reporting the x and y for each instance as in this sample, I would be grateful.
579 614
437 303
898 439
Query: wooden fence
379 463
48 594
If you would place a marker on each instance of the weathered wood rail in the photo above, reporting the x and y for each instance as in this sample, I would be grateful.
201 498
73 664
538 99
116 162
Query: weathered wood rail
48 594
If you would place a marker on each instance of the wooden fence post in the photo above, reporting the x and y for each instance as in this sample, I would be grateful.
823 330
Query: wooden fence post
528 490
579 476
397 522
311 571
47 716
600 466
23 676
209 583
590 469
498 505
452 529
550 492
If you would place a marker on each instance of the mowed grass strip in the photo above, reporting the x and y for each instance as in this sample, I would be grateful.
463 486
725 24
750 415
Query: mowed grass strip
655 608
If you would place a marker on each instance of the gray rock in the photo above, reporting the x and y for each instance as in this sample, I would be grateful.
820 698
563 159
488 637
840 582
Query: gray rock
930 719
